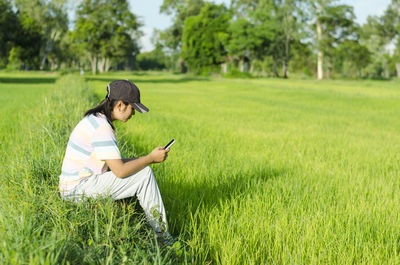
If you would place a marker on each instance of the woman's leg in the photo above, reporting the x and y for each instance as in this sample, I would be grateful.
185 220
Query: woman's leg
142 184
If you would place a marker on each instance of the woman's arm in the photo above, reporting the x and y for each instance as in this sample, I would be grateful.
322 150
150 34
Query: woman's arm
126 167
128 159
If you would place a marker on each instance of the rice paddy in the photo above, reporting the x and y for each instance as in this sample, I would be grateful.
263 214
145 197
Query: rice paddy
263 171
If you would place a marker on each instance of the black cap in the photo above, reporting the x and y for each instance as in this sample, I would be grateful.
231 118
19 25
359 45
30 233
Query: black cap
126 91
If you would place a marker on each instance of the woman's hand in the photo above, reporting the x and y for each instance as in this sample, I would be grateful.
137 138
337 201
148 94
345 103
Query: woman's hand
159 154
122 168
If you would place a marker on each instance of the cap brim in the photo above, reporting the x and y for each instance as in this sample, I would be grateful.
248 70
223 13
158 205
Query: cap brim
140 107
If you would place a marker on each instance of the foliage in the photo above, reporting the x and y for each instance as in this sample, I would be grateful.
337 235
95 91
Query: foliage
267 29
337 26
248 41
303 60
255 29
8 31
14 61
262 37
350 58
105 33
182 9
333 24
204 37
390 22
171 38
51 19
31 41
154 60
235 73
20 34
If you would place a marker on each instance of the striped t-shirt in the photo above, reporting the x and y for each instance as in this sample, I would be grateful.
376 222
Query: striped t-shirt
90 144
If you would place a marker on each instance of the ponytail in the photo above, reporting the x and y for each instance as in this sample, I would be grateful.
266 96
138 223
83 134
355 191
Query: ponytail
105 107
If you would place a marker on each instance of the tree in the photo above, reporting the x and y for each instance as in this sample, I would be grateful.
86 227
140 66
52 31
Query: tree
9 28
243 41
20 38
302 58
333 24
257 22
390 22
171 38
275 25
154 60
204 36
182 9
30 40
290 13
52 19
351 58
372 36
105 32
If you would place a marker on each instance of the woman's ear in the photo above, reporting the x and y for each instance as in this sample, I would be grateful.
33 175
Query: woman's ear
120 106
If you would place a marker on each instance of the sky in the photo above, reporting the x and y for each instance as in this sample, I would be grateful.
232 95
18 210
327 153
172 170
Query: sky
148 12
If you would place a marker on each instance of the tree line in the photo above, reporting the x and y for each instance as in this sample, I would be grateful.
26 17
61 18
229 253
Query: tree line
249 37
36 34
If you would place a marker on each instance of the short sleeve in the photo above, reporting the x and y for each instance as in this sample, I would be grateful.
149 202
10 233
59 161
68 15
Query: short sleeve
104 143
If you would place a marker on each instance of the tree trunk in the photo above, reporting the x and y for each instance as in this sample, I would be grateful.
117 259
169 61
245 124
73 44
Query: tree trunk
43 61
275 66
93 63
53 64
328 70
241 66
320 52
398 69
224 68
285 70
101 64
286 58
47 48
107 65
182 66
386 72
246 64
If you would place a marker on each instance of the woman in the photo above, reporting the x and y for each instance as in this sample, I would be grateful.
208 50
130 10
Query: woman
92 149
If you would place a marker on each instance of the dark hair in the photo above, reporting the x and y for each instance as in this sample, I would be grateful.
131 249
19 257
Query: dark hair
105 107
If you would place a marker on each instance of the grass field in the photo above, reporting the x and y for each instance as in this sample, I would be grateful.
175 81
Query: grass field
264 171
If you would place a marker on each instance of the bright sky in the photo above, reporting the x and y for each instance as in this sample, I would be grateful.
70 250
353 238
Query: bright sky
148 11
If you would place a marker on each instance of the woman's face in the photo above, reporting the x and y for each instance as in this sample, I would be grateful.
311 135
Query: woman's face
122 112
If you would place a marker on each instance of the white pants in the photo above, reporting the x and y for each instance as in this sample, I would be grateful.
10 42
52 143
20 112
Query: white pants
142 184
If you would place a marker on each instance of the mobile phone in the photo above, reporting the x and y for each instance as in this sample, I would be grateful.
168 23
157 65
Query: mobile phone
169 144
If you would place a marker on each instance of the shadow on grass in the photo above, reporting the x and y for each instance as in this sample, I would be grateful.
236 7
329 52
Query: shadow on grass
226 186
28 80
183 79
185 198
84 245
96 229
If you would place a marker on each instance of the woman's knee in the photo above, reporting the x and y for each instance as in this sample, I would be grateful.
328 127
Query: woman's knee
147 173
148 169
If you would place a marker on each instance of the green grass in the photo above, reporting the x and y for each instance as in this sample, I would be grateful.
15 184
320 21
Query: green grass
263 171
36 226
